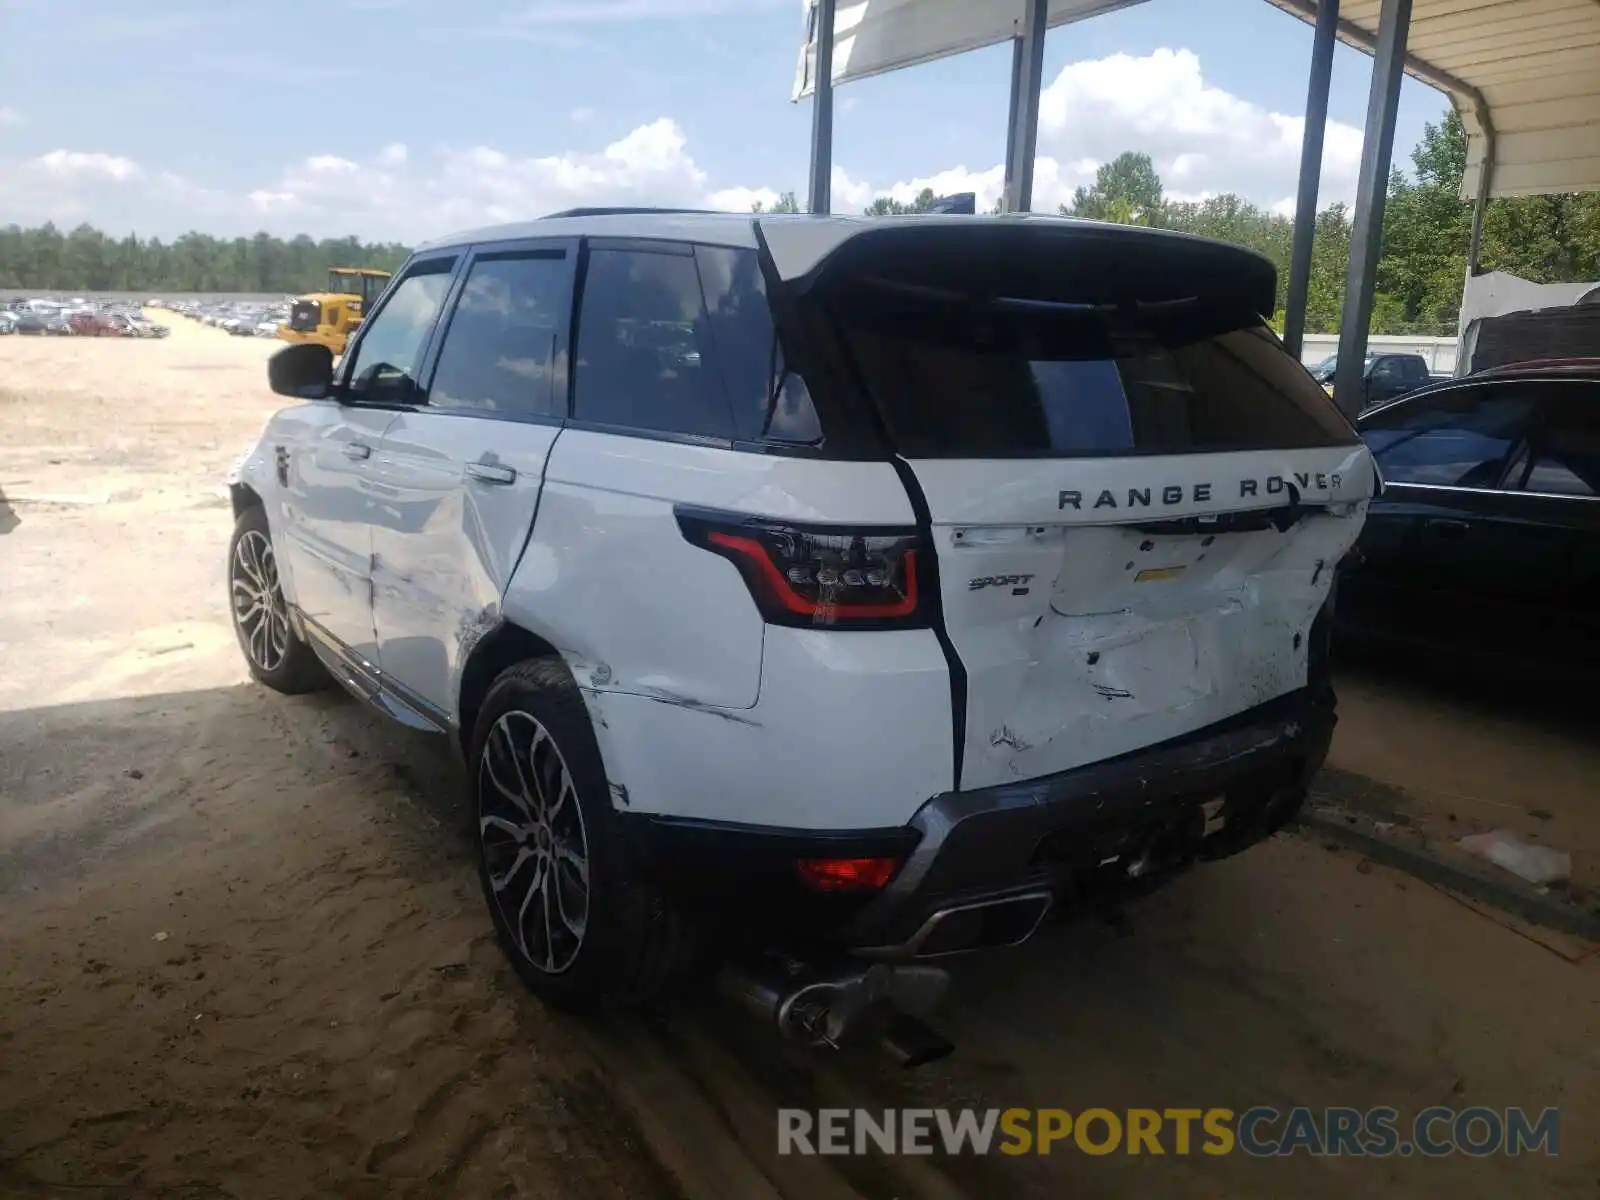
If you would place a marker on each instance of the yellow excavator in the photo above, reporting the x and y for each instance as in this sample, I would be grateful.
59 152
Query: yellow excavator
329 318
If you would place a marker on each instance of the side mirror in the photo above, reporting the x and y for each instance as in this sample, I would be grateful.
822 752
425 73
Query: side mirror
303 371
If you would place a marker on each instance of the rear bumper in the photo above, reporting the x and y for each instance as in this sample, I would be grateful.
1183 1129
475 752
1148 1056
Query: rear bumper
983 868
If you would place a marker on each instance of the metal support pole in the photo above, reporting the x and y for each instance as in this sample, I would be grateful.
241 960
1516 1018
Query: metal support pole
1022 136
1480 203
820 198
1366 233
1013 119
1305 208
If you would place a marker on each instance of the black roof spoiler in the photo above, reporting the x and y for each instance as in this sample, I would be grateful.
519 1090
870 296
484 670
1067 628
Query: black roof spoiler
626 210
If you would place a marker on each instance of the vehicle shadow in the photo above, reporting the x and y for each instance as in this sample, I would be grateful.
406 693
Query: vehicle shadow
121 779
1283 976
8 515
1502 691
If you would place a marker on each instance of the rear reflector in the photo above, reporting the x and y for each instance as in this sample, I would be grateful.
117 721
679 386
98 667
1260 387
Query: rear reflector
846 874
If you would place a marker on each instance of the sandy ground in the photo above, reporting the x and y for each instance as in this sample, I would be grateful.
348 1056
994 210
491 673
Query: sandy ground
243 954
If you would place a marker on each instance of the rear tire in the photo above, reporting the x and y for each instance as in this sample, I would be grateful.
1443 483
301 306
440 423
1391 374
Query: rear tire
275 654
554 870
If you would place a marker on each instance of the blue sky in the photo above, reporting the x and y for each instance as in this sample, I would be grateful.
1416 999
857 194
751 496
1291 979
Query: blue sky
406 118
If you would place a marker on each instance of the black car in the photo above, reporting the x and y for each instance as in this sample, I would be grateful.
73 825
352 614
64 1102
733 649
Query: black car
1485 542
1384 377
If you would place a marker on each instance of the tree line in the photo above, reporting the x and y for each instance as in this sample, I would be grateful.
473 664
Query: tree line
87 260
1546 239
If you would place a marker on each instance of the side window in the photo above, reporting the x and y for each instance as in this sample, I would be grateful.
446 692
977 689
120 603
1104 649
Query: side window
770 402
1564 451
643 347
1457 438
503 346
391 345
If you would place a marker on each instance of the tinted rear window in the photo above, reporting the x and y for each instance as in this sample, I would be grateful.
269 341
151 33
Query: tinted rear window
1024 378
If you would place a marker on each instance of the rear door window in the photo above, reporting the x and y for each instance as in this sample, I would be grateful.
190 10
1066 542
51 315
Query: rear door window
1026 378
503 346
1461 437
770 403
642 346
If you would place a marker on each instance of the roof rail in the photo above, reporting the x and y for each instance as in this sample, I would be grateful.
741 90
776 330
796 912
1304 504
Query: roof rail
623 211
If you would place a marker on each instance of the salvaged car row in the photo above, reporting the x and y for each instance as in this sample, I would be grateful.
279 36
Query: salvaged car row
77 317
241 318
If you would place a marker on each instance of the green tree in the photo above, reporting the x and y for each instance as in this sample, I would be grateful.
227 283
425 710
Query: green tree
786 203
86 260
888 206
1126 190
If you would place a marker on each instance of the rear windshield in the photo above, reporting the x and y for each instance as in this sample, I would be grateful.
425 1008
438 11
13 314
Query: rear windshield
1004 379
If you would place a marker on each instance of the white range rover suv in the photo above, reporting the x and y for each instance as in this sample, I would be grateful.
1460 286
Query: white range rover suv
863 587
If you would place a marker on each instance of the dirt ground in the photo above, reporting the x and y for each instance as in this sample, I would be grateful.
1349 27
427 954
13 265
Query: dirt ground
243 954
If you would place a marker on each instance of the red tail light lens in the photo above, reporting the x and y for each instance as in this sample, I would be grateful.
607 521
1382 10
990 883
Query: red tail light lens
823 576
846 874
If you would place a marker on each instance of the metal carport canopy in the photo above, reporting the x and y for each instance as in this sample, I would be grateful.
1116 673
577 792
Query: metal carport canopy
872 37
1524 75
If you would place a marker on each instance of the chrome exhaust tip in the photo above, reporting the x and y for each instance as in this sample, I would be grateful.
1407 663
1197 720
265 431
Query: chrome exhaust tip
837 1004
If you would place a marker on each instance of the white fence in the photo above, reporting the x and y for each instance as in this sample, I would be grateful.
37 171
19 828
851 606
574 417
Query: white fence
1439 351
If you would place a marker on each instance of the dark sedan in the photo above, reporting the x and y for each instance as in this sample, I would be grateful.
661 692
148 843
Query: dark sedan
1485 544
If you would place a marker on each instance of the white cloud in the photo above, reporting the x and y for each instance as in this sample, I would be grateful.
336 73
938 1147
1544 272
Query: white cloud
742 199
409 196
1204 141
10 116
330 164
76 163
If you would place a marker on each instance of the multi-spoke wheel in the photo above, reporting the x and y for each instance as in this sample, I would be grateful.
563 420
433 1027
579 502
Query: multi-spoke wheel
534 845
274 654
259 611
573 923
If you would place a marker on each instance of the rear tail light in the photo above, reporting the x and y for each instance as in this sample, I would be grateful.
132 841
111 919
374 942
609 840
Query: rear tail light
823 576
846 874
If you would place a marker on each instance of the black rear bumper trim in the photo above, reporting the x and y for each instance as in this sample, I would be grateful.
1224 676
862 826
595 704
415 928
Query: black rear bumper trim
994 842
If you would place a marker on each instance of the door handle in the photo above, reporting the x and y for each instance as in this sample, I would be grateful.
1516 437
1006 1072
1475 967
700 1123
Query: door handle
356 450
1446 528
491 473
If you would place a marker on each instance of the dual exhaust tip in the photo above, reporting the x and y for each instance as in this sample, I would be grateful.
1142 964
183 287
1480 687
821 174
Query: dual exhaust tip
846 1003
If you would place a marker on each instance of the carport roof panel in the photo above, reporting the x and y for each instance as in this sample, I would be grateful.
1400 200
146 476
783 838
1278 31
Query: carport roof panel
1535 64
872 37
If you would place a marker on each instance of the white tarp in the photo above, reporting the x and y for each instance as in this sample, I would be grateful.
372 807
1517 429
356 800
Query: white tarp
874 36
1497 293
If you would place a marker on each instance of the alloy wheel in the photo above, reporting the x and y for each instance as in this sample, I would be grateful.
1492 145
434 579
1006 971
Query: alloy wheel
259 610
535 846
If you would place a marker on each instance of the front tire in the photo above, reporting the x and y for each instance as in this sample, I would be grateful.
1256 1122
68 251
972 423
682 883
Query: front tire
554 872
275 654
